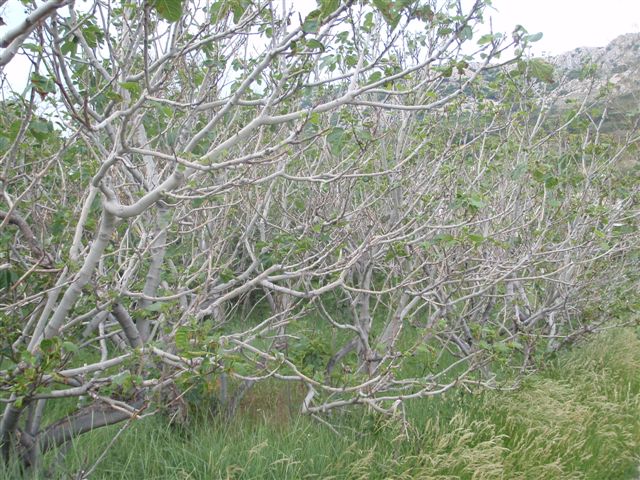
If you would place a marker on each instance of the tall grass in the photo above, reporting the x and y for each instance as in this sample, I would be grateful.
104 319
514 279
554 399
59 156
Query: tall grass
578 419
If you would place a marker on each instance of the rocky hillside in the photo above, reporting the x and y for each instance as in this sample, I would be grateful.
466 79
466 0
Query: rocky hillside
616 65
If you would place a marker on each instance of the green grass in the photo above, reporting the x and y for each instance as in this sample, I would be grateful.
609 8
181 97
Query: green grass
577 419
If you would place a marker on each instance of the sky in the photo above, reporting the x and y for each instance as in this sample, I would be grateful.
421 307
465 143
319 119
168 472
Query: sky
565 24
568 24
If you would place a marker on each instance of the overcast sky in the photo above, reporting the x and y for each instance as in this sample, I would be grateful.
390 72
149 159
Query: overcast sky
566 24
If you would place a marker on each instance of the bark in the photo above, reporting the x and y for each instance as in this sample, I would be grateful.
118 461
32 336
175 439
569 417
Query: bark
33 426
11 414
34 245
83 421
343 352
8 426
14 37
52 298
128 326
363 313
394 326
76 246
93 323
84 275
158 249
234 402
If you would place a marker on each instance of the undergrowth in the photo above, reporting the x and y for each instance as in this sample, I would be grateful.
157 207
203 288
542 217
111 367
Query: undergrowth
577 419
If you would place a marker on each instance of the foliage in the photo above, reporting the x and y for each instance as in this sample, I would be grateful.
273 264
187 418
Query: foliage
199 202
577 418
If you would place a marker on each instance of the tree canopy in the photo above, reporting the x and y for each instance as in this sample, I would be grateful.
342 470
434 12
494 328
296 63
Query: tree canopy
375 200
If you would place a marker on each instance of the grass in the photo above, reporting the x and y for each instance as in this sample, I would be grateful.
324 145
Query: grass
577 419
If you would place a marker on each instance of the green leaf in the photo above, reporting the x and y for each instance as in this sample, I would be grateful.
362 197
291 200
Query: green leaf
444 239
541 70
389 12
533 37
312 23
476 202
226 275
485 39
40 129
218 10
500 347
93 35
336 140
42 85
47 345
315 45
40 126
154 307
32 47
461 66
70 347
475 238
446 71
368 23
238 7
121 378
515 344
196 202
70 46
551 181
519 171
111 95
327 7
374 77
170 10
182 339
132 87
465 34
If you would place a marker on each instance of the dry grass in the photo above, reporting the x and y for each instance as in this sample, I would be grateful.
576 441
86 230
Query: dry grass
579 419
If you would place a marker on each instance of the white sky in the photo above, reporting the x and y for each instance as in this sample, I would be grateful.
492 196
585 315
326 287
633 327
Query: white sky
566 24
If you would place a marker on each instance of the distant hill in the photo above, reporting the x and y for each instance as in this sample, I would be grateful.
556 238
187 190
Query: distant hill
616 65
